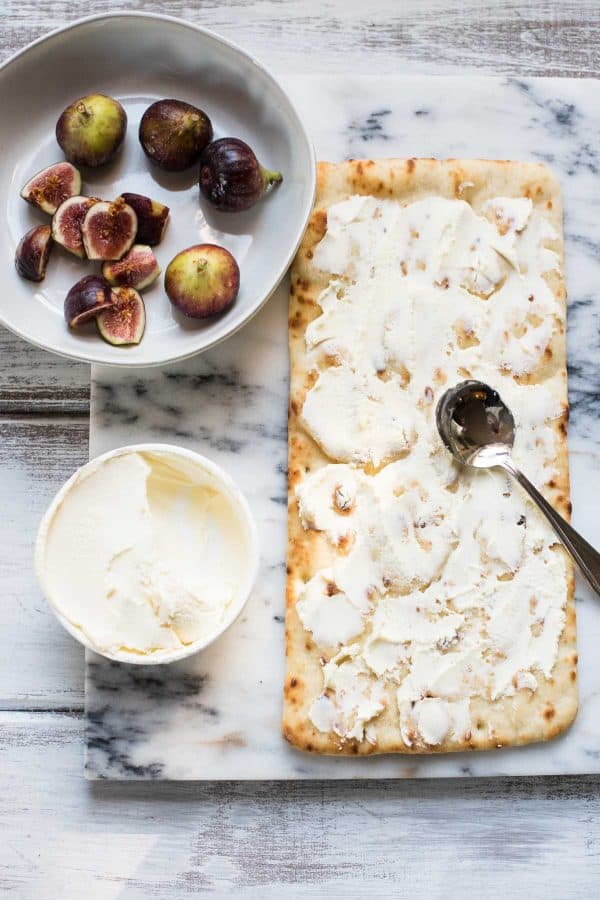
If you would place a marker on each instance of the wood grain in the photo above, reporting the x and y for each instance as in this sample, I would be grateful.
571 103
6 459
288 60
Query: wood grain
512 838
33 381
536 38
505 838
41 665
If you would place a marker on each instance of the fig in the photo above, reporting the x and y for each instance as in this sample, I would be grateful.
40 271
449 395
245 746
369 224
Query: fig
173 134
52 186
86 299
231 177
124 322
108 230
90 130
33 252
202 281
138 269
152 218
67 222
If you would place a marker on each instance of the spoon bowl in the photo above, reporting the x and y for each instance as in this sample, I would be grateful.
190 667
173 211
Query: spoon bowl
475 424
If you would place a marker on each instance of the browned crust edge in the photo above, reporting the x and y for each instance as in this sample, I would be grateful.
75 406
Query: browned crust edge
528 717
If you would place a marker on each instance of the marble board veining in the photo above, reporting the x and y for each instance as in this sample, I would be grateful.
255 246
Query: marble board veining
217 715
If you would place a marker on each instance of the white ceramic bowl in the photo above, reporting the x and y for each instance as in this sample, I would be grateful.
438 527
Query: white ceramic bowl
139 58
220 480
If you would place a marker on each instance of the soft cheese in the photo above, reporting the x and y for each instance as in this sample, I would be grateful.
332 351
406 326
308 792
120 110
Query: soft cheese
144 554
450 585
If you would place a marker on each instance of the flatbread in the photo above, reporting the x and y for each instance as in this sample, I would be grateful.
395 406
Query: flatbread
527 716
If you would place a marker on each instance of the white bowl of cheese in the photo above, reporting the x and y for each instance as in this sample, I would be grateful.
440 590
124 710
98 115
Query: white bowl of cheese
148 553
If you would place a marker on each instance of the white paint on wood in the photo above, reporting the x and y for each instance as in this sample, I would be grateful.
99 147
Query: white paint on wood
428 36
531 838
40 665
32 380
62 838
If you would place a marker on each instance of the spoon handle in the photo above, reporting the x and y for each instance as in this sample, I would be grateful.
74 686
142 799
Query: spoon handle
583 553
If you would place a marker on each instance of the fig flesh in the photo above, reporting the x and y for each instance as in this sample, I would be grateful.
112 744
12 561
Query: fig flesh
125 321
108 230
202 281
67 222
33 252
231 177
137 269
86 299
52 186
90 130
173 134
152 218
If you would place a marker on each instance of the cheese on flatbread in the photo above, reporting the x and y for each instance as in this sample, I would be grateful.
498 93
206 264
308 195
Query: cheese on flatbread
429 607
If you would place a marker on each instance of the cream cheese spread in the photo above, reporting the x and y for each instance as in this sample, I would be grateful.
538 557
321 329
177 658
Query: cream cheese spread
144 554
449 584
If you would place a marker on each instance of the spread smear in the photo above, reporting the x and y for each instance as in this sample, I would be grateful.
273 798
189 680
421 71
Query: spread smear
441 585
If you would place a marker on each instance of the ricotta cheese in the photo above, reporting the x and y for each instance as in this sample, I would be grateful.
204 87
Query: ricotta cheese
144 554
449 584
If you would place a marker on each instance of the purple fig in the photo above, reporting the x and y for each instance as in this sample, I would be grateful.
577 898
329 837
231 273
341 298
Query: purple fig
231 177
67 222
52 186
86 299
152 218
202 281
138 269
125 321
91 130
33 252
108 230
173 134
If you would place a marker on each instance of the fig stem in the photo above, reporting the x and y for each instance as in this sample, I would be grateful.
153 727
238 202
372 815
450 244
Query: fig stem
270 176
201 264
83 111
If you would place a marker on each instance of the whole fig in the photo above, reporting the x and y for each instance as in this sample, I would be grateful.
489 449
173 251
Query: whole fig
202 281
231 177
173 134
90 130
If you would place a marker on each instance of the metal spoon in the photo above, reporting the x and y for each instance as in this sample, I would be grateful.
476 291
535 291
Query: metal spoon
479 430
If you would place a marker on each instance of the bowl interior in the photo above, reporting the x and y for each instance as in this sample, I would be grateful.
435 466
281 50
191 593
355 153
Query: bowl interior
201 471
140 59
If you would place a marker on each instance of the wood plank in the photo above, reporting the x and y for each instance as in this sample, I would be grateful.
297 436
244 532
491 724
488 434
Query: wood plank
33 381
41 665
535 38
512 838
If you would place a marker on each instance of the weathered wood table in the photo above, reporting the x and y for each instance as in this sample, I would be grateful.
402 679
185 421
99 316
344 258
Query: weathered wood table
62 837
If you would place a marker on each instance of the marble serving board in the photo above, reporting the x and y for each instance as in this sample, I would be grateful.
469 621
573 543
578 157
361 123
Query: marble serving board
217 715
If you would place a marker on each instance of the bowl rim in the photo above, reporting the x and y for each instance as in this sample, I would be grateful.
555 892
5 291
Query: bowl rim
123 362
224 483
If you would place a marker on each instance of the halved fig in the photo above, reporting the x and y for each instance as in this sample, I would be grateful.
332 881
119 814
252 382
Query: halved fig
108 230
138 269
202 281
90 130
52 186
33 252
125 321
86 299
152 218
67 222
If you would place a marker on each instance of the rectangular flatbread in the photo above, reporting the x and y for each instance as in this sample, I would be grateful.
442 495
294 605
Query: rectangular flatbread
429 606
